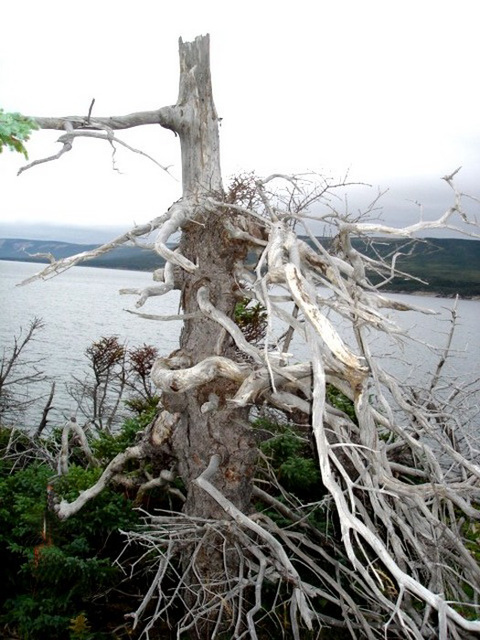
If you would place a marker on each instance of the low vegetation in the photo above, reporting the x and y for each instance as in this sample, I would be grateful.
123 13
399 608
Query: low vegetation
74 579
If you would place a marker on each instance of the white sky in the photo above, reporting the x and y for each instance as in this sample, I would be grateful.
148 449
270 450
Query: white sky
386 89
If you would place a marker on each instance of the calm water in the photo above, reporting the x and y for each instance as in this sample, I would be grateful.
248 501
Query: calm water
83 305
79 307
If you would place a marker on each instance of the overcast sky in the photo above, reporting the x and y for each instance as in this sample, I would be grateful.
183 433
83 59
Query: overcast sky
387 90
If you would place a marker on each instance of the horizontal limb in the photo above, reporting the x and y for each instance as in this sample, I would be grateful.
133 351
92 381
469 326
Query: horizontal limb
59 266
181 380
157 434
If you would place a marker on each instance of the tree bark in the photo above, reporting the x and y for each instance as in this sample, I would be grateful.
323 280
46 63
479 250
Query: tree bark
206 244
224 431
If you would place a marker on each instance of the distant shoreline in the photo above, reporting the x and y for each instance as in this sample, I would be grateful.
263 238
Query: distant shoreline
451 266
432 293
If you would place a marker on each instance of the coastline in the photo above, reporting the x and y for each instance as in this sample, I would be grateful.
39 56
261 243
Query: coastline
122 266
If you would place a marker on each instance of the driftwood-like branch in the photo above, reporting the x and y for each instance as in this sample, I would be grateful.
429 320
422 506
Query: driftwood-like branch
147 292
66 509
73 428
299 598
177 216
181 380
167 224
158 433
367 228
319 322
59 266
169 318
215 314
165 276
67 142
260 380
109 137
67 146
139 119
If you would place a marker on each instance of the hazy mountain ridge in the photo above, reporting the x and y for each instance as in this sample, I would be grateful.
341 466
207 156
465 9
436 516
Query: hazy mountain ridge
133 258
450 266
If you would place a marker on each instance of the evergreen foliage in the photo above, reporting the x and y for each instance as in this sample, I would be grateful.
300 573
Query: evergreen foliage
60 578
15 130
57 574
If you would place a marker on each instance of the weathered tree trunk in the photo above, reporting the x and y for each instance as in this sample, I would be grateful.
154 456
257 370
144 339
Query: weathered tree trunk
199 434
198 120
205 243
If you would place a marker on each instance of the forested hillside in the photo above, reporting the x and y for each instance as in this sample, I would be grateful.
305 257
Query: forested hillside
133 258
441 266
444 266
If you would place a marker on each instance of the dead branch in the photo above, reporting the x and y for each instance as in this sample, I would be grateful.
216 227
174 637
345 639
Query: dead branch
66 509
182 379
67 146
179 316
59 266
46 410
159 432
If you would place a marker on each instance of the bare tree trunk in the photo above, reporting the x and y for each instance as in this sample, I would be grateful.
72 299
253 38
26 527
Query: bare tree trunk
46 410
200 433
224 431
205 243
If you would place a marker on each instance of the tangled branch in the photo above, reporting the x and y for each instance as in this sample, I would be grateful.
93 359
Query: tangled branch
400 474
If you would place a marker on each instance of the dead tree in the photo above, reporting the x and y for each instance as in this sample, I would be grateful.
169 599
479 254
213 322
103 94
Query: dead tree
20 375
397 485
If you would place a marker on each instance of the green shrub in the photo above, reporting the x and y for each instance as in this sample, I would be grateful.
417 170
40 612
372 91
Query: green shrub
291 457
341 402
56 571
107 445
251 317
15 129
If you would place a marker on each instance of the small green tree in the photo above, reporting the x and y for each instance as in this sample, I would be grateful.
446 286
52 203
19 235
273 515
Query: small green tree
60 578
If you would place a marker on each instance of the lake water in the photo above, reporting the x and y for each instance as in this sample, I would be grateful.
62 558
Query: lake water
83 305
